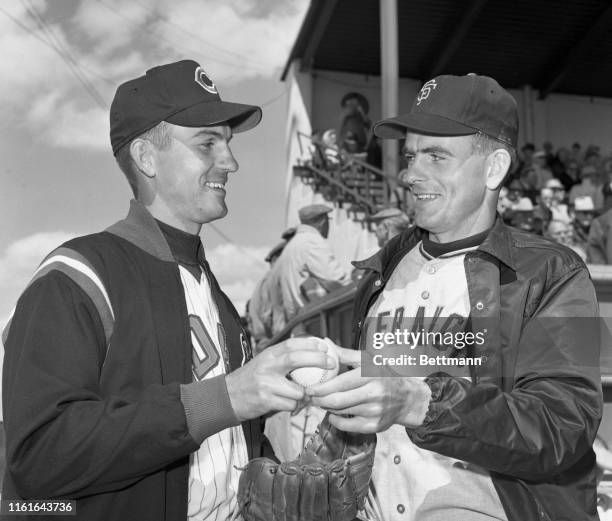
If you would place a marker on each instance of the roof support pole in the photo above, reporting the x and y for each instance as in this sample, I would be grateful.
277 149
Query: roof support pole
389 79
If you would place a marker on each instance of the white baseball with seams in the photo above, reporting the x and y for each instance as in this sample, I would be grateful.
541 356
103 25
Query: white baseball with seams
309 376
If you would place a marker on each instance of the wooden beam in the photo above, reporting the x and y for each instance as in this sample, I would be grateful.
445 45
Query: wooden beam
561 69
327 9
470 15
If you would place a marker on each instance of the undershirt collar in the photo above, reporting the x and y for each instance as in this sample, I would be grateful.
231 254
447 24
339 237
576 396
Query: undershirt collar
437 249
184 247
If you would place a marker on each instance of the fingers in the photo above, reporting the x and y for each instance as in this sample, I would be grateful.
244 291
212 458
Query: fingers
344 382
291 360
349 356
340 401
355 424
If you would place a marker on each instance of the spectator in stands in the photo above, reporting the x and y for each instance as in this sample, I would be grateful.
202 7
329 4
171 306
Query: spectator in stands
590 185
577 154
607 187
582 213
522 215
541 170
563 233
307 256
259 311
548 149
599 243
573 172
389 223
558 167
559 210
354 123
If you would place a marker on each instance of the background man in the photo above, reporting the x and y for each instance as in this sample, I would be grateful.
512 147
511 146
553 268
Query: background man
127 373
389 223
511 439
307 267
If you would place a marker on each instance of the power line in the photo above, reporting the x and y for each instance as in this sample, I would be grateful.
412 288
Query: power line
64 53
270 101
167 21
230 241
178 46
42 40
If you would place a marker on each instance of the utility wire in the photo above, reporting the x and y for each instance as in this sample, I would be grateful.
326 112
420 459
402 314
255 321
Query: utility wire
178 46
64 53
230 241
42 40
167 21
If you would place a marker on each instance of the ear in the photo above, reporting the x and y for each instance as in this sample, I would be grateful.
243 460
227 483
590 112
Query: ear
497 165
143 156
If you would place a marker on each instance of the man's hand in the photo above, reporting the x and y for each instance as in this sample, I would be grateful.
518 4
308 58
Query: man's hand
374 404
261 385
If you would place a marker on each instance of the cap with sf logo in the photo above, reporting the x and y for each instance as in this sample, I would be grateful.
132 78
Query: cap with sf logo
180 93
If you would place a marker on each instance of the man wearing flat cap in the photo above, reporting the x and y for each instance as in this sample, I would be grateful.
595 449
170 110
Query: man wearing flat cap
493 414
306 266
128 380
389 223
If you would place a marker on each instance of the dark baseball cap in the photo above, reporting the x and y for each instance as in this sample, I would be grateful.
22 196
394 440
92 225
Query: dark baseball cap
180 93
457 106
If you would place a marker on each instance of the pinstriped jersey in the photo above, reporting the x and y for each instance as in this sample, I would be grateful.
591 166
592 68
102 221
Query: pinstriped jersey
213 469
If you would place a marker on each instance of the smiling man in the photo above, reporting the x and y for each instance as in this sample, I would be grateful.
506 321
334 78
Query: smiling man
510 438
128 382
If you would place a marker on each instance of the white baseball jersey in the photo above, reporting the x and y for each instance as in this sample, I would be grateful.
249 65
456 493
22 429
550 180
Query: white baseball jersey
213 474
410 483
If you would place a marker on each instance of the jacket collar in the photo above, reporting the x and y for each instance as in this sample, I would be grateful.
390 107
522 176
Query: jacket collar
497 244
140 229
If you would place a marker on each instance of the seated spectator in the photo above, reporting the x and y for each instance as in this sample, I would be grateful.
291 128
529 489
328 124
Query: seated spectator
607 187
541 170
389 223
559 165
559 210
563 233
521 215
599 242
548 149
590 185
354 123
577 154
573 172
504 203
582 213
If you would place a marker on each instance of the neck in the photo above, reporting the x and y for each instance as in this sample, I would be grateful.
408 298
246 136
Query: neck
160 211
478 224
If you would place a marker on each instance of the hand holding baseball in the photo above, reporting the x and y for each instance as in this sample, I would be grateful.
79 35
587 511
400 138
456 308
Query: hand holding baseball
261 385
309 376
364 404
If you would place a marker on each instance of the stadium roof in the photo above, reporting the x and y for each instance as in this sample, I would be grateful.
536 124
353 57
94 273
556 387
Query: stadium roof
552 45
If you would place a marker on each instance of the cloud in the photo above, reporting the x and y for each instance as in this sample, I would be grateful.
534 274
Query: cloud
19 262
238 269
113 41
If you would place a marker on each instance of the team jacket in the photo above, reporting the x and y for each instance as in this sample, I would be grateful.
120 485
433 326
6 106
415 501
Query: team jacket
92 374
531 413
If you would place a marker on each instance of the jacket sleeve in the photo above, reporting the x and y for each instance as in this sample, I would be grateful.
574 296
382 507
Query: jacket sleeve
64 438
549 418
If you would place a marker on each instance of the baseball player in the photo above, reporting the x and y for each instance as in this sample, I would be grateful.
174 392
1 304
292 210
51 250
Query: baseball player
128 382
510 439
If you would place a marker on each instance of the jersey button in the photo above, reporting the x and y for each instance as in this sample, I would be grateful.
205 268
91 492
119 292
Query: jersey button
397 459
377 283
425 295
401 508
431 270
479 306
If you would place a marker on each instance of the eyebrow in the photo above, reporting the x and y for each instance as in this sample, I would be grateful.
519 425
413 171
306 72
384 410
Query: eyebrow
212 133
428 150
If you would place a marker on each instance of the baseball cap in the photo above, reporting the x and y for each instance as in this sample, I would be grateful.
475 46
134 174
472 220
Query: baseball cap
180 93
308 213
584 203
457 106
276 251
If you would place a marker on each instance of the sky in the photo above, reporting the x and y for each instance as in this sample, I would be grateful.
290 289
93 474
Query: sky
61 63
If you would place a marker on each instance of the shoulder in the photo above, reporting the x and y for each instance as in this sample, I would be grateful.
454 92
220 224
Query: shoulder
535 254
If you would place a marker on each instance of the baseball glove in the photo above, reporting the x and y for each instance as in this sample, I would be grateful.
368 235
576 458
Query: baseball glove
327 482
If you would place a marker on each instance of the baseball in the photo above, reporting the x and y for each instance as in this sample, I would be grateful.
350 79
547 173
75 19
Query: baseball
308 376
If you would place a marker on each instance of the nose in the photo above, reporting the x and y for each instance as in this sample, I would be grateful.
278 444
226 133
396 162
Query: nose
411 175
226 160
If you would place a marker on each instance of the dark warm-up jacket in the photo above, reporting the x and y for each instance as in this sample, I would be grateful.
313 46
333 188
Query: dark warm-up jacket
93 406
531 413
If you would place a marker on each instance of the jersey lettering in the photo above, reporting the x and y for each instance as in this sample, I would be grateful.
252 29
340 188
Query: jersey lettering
204 353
